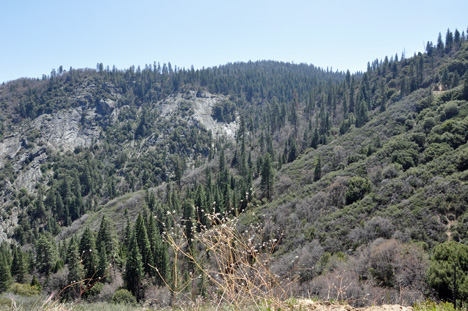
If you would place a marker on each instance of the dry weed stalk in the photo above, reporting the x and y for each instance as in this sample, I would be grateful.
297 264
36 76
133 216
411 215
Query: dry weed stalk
237 263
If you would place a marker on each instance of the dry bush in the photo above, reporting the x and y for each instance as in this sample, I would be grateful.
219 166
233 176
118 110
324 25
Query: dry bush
384 272
337 192
308 259
341 285
158 297
236 265
377 227
109 288
56 280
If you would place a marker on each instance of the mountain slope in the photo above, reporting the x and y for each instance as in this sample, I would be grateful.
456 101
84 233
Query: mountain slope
359 177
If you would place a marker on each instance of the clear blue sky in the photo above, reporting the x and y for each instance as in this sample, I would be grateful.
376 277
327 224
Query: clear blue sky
37 36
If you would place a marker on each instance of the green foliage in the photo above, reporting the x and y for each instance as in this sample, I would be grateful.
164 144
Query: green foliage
318 170
267 176
144 247
429 305
75 268
404 152
35 283
134 270
224 111
123 296
18 266
428 124
465 87
88 253
46 254
357 188
448 270
159 250
5 275
462 160
95 290
451 110
435 150
24 289
106 237
361 114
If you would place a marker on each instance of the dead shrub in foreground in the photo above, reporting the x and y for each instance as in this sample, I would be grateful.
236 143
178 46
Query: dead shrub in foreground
236 265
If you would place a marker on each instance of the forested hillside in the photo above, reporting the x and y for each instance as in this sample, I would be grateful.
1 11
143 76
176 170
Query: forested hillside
359 181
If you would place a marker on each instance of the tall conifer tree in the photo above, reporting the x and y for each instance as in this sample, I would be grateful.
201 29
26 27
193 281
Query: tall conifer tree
134 269
88 253
143 243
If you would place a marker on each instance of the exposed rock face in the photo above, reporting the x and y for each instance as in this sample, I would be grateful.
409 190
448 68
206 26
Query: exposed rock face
9 148
68 129
105 107
202 109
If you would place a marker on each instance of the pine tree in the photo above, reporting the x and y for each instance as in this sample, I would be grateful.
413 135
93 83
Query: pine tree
361 116
440 43
143 243
270 148
445 80
188 219
127 235
134 270
5 275
18 267
88 253
318 170
35 283
456 38
103 263
293 152
46 255
315 139
178 170
266 182
202 208
159 251
75 269
222 161
106 237
448 39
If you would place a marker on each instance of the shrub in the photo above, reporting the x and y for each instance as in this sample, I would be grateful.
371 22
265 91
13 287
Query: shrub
123 296
95 290
355 158
405 153
35 282
357 188
25 289
446 258
419 139
451 110
428 124
462 160
224 112
5 302
391 171
435 150
433 306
